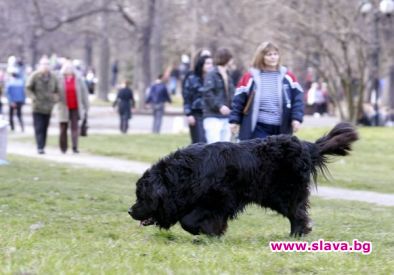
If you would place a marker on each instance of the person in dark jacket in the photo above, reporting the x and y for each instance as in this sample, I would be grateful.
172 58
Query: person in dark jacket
218 94
157 97
124 101
192 98
15 91
268 100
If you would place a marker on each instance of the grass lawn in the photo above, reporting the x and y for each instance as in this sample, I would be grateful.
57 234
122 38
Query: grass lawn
56 219
370 166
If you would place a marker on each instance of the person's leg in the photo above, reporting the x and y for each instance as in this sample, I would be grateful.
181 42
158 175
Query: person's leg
74 129
11 117
36 128
154 120
123 123
157 117
63 137
160 117
200 129
40 122
126 123
194 132
47 118
225 133
212 129
19 115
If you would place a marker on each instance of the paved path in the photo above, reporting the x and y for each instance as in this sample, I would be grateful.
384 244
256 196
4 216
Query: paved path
114 164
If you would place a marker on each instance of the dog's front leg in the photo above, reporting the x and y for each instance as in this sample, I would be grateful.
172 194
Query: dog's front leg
299 221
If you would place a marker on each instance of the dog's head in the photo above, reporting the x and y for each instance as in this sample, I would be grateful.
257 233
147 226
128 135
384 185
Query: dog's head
153 205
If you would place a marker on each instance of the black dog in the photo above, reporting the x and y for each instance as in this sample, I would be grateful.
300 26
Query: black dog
202 186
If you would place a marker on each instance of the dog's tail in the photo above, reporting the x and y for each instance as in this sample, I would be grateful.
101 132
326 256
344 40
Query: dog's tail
336 143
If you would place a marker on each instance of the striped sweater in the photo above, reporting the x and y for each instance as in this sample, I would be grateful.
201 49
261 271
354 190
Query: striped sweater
270 98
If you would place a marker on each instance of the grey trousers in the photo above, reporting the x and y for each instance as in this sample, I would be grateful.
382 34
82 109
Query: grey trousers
158 112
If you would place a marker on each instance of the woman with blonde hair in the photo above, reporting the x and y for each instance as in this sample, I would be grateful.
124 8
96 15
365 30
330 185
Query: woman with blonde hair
73 104
268 99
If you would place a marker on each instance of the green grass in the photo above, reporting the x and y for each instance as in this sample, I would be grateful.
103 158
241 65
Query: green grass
82 227
369 167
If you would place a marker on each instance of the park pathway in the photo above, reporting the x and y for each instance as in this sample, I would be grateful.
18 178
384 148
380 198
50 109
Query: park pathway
120 165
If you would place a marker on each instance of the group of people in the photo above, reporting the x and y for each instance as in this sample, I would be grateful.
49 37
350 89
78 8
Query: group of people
268 100
67 89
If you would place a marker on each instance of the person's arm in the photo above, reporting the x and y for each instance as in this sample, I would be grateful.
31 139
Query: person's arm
187 96
167 95
244 88
297 103
57 94
30 86
132 99
116 99
7 89
210 97
148 99
85 96
297 97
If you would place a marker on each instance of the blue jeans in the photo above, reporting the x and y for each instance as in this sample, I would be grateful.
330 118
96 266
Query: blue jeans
264 130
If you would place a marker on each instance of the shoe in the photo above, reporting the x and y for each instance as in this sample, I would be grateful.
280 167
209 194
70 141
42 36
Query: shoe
75 151
41 151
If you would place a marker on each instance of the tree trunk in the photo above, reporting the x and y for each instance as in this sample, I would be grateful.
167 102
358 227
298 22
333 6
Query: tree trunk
104 59
156 47
34 50
144 53
88 51
391 94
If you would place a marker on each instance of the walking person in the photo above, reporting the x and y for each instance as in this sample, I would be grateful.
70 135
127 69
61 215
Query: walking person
15 91
268 100
42 86
218 94
73 105
192 92
124 101
157 97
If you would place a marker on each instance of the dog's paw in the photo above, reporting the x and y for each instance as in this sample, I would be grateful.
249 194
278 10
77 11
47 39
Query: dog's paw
300 232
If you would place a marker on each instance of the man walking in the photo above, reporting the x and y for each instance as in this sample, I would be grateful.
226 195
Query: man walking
42 87
158 96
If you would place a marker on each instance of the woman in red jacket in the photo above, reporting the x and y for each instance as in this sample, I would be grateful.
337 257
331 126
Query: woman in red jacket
73 104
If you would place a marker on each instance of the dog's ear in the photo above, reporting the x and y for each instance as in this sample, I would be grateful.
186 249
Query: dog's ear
164 205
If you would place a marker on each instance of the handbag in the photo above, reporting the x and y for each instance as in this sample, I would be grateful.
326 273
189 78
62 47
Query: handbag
250 99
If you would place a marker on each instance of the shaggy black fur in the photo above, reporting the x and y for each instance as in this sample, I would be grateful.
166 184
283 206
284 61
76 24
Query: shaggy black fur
202 186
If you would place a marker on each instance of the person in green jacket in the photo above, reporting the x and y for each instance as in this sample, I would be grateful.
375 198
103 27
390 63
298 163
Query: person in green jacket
42 87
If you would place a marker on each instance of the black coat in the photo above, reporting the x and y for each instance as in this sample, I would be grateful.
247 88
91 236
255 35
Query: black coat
192 92
215 94
124 101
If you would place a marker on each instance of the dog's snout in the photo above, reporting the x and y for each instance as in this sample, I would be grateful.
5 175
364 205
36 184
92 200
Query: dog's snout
130 211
